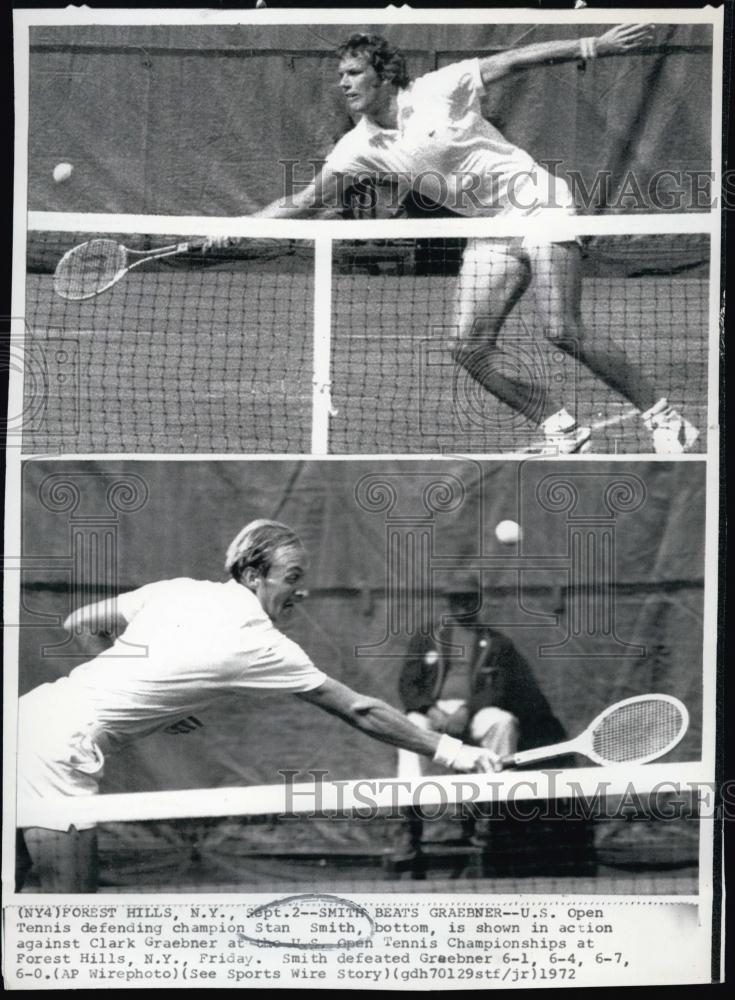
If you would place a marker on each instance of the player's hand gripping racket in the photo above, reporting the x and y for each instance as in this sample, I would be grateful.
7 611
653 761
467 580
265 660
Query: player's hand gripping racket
633 731
93 267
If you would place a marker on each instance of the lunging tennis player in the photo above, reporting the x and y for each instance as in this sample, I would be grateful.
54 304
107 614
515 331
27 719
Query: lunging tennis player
429 135
204 641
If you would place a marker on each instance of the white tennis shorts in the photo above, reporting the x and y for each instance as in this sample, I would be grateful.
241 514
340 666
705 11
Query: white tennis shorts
545 205
58 753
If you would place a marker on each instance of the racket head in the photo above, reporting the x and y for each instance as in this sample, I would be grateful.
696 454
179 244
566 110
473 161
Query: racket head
89 269
636 730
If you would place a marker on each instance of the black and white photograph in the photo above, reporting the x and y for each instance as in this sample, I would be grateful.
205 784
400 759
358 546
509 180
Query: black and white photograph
362 462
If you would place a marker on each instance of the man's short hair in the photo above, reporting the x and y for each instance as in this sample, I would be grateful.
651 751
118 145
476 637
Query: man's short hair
255 546
388 63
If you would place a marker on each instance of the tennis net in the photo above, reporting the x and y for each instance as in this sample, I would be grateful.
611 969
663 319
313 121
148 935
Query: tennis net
350 341
534 824
195 352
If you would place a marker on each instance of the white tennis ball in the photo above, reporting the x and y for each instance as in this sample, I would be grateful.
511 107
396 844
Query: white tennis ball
62 172
508 532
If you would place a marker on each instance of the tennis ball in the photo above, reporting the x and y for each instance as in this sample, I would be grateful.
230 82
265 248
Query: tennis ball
508 532
62 172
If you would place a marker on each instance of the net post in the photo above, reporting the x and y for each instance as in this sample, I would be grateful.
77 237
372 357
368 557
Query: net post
321 391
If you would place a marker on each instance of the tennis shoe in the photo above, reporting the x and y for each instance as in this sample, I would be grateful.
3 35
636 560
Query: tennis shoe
672 434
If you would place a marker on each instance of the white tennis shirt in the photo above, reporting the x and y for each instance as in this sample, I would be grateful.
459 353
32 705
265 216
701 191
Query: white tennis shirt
444 148
187 644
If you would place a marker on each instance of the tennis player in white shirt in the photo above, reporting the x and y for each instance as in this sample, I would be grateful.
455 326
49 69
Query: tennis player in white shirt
429 135
182 645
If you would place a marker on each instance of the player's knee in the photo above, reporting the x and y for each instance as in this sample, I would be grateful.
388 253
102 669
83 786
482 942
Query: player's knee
473 329
471 353
460 350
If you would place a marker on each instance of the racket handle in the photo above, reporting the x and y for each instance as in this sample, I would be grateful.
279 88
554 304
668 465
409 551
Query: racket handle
540 753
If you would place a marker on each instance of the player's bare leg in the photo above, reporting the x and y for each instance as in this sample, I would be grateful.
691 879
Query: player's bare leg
23 861
63 862
491 281
495 275
558 298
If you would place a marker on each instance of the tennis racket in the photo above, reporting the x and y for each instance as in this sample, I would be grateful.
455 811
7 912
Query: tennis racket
633 731
92 267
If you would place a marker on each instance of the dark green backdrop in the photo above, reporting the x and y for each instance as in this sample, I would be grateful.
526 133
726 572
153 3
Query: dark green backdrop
195 120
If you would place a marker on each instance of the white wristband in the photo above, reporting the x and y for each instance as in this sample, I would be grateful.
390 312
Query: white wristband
447 750
589 48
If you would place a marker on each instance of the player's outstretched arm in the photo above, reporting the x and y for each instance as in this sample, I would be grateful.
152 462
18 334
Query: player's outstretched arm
297 206
380 720
322 193
618 41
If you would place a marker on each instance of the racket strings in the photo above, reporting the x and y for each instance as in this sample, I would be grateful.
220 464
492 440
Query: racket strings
637 731
89 268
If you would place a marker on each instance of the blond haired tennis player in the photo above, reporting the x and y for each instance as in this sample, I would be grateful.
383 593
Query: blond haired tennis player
198 641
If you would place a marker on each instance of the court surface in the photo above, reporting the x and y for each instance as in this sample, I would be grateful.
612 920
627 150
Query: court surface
171 362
